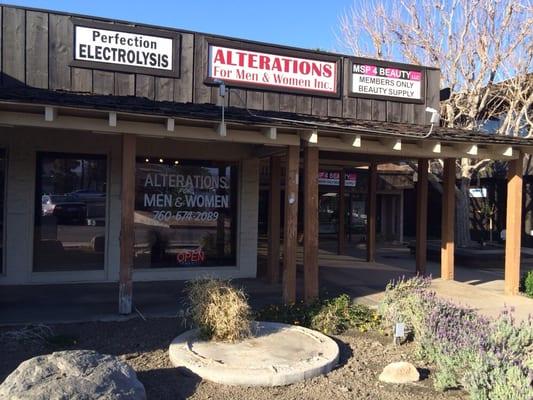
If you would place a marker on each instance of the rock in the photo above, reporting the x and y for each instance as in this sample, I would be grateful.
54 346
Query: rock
79 374
399 372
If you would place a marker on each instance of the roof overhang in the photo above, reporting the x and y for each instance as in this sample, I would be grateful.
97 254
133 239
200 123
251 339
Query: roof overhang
392 141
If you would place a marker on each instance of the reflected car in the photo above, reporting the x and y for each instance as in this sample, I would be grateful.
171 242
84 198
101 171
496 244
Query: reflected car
87 194
67 209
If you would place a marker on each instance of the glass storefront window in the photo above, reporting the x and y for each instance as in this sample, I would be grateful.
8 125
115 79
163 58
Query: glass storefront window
328 213
185 213
70 212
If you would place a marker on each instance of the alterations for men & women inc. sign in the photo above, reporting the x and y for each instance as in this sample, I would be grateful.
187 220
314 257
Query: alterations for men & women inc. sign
129 49
284 72
387 82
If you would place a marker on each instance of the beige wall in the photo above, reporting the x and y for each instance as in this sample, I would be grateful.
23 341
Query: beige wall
21 146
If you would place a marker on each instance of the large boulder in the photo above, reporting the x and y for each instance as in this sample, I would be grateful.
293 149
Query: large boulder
75 375
399 372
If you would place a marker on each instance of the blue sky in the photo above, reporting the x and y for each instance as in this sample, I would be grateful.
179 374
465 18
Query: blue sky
297 23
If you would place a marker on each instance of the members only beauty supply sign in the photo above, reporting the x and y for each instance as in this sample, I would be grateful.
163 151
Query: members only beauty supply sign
378 81
282 73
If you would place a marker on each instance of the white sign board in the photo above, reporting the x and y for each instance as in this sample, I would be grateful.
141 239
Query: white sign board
122 48
478 193
272 71
399 329
386 82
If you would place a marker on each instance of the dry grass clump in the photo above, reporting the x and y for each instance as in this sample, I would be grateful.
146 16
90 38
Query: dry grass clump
218 309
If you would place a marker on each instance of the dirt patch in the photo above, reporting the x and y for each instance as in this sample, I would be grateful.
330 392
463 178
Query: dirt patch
144 346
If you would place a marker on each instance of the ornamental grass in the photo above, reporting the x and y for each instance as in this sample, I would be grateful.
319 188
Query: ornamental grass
219 309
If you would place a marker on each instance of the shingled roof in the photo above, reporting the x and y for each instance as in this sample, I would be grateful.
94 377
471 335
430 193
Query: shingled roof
211 112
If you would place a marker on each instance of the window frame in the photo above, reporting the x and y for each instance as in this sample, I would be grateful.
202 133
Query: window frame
72 273
235 192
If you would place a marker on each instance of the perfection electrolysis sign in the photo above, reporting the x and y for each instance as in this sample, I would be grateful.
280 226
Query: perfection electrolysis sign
377 80
123 48
271 71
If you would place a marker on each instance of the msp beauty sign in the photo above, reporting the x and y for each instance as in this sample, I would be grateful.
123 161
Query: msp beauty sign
332 178
387 82
237 67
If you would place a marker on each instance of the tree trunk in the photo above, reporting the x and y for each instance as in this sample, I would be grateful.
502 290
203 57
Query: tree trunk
462 214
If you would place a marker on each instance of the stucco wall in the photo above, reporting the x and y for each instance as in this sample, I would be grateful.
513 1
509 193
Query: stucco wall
22 145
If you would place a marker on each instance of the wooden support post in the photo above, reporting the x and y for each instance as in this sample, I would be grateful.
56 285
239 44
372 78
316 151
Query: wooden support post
513 227
290 231
448 220
273 266
341 241
371 213
127 233
421 216
310 223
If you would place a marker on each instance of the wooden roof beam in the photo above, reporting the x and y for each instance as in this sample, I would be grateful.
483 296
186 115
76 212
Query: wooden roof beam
409 150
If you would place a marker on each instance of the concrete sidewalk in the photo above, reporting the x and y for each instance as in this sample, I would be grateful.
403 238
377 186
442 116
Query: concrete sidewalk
479 288
99 301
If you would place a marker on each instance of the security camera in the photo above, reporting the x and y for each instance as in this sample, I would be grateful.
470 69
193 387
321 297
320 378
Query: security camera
435 117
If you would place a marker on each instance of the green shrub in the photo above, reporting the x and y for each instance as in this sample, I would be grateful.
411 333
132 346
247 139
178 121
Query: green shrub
218 309
503 370
492 360
402 303
340 314
454 336
331 316
526 283
298 313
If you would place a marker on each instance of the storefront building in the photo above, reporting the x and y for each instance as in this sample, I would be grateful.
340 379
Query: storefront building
132 152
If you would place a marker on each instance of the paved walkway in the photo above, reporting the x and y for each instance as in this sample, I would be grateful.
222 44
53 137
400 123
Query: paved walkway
480 288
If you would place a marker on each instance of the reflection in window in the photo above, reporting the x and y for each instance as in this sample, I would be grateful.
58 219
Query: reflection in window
2 210
184 213
70 213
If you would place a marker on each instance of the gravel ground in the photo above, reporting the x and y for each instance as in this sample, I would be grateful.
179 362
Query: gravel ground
144 345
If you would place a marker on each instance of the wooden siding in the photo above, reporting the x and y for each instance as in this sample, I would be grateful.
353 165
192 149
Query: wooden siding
37 51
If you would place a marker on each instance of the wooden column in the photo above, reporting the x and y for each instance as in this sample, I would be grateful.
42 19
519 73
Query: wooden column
127 224
341 238
371 213
273 267
290 231
421 216
448 220
513 227
310 223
